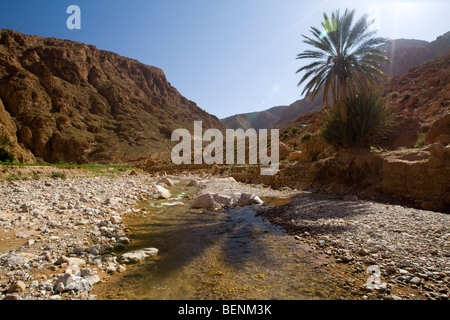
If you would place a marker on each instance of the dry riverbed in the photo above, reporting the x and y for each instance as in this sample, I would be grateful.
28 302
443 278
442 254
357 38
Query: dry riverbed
59 237
390 251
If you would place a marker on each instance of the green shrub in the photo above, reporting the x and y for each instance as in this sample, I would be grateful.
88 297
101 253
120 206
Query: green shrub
294 130
13 177
35 176
60 175
6 154
406 96
306 137
393 95
368 122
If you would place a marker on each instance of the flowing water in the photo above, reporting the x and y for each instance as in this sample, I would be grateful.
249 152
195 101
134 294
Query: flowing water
229 254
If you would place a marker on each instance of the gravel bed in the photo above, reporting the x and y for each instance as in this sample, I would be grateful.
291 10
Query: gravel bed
388 246
58 236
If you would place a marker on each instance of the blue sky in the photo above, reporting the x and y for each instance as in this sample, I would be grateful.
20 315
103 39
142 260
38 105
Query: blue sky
229 56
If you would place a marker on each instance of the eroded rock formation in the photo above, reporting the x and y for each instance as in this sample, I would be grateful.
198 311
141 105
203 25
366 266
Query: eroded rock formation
66 101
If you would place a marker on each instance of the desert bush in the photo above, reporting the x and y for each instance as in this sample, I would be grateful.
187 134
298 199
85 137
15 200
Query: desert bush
368 122
6 154
13 177
406 96
60 175
393 95
306 137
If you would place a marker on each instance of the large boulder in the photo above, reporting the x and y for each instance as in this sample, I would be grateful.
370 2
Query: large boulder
439 128
218 201
285 151
212 201
72 282
295 156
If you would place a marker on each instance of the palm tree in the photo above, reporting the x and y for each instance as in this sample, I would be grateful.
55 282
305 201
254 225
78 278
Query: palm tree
346 59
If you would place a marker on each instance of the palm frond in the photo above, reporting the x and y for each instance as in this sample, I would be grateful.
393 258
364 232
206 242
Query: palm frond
345 56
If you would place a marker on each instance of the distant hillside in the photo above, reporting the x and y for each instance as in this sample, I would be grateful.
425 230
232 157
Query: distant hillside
417 98
66 101
404 54
407 54
275 117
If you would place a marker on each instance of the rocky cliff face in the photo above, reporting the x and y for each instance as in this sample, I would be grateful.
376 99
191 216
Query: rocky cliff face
418 98
65 101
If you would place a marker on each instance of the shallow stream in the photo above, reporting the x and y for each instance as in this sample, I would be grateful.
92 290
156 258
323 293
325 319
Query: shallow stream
229 254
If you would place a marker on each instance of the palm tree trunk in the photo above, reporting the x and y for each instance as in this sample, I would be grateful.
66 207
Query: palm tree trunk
342 99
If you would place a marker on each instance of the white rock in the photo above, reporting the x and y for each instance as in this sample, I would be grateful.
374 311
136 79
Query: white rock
248 199
115 220
212 201
415 280
373 270
217 201
138 255
113 201
161 193
29 242
65 279
16 260
75 262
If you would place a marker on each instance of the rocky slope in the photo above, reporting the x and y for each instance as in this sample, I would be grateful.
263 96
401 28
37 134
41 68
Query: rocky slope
66 101
404 54
417 98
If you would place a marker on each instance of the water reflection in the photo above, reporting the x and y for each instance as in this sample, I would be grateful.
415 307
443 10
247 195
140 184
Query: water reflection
229 254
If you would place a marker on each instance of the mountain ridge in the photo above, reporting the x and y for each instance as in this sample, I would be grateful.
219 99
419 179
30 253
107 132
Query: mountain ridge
405 54
62 100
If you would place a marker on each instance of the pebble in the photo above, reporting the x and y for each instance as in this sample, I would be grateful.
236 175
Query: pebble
18 286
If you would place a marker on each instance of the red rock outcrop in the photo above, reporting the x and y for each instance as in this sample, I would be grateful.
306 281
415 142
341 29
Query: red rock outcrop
66 101
418 98
420 177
